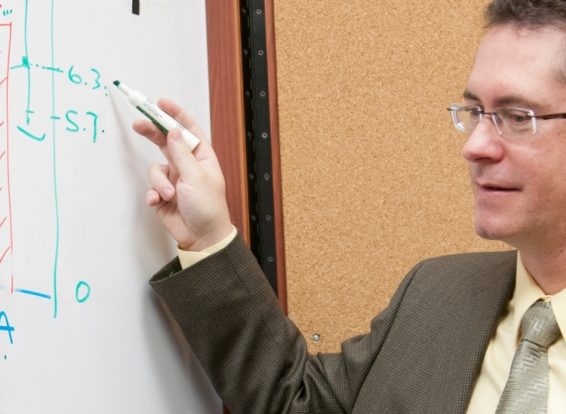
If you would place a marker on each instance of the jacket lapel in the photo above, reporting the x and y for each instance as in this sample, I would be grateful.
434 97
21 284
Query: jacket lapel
468 334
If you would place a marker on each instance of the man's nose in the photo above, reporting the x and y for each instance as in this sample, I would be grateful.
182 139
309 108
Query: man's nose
484 143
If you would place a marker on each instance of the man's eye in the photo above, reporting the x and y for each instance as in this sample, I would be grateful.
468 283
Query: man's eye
515 117
519 119
475 113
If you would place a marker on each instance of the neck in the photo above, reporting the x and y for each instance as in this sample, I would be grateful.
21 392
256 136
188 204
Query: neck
548 268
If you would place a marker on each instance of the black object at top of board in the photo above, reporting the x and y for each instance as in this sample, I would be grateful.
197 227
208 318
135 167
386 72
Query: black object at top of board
136 7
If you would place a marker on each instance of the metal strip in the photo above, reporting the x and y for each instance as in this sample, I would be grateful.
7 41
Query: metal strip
256 90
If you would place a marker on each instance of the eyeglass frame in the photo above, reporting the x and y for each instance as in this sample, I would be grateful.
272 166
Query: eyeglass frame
455 108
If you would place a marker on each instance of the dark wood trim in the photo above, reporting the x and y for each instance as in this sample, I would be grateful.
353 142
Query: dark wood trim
276 154
227 104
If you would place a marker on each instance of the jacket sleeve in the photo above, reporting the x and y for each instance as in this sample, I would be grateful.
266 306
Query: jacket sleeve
254 355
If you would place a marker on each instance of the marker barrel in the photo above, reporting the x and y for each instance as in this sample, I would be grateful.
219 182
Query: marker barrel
162 120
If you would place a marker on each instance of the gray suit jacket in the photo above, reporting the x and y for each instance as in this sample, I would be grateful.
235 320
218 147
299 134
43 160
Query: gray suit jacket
422 355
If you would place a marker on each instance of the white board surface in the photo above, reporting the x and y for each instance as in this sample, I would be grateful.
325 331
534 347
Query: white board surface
80 329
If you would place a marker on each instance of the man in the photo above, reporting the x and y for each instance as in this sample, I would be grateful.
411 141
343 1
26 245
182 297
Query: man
446 342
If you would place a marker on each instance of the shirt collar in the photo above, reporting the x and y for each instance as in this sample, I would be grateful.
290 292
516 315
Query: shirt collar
527 292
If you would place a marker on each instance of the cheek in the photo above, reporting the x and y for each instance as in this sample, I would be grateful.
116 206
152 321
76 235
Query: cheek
548 180
555 190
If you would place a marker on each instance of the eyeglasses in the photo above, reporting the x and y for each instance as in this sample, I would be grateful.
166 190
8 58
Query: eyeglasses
509 122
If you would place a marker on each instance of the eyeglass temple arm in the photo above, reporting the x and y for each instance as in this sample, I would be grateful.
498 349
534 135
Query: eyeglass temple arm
550 116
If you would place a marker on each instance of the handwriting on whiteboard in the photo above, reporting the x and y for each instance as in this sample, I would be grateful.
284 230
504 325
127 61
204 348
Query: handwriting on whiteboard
47 125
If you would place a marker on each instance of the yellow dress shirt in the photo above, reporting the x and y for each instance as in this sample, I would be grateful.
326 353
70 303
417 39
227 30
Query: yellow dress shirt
188 258
501 349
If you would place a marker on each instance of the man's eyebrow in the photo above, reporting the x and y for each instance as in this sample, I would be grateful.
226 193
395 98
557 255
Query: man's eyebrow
467 95
514 100
506 100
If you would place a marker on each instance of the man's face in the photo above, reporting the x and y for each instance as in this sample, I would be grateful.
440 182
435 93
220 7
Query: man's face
519 184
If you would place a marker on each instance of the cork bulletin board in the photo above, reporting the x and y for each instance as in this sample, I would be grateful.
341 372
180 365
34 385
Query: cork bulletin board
372 174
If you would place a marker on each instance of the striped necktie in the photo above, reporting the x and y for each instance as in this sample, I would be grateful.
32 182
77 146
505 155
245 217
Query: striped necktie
526 390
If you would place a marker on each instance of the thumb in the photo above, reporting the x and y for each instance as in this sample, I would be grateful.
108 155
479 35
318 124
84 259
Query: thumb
181 154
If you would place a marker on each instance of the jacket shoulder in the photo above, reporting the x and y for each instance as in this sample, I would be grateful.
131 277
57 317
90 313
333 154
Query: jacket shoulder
479 260
465 271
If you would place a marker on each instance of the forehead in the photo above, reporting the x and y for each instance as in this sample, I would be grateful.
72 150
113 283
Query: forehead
520 64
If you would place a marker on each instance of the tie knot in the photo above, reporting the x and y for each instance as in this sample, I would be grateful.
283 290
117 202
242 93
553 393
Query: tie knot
539 325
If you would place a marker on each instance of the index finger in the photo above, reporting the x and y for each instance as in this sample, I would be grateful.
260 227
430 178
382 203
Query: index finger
151 132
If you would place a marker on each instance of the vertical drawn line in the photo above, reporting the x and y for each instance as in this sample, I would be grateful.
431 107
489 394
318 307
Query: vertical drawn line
7 152
27 66
54 158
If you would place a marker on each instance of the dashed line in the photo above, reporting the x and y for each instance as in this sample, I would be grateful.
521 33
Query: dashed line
50 68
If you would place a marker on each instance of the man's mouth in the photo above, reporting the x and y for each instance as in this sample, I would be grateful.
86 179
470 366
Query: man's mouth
488 187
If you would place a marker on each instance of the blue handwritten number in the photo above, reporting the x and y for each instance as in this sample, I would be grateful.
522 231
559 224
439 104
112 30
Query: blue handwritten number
94 125
82 291
75 127
73 77
97 79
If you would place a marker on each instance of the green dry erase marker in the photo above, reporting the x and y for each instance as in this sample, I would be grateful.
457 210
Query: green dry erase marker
162 120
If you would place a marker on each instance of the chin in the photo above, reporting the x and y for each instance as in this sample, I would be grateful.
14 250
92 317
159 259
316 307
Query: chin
484 234
493 231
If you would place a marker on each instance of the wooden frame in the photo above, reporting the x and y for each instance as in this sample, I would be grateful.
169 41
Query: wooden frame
227 105
275 154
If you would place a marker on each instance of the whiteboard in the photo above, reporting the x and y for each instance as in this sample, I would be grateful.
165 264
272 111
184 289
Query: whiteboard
80 330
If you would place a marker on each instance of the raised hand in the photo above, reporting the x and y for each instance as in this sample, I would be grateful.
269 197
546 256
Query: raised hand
188 191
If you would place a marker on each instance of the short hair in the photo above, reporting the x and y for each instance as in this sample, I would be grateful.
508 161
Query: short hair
526 13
